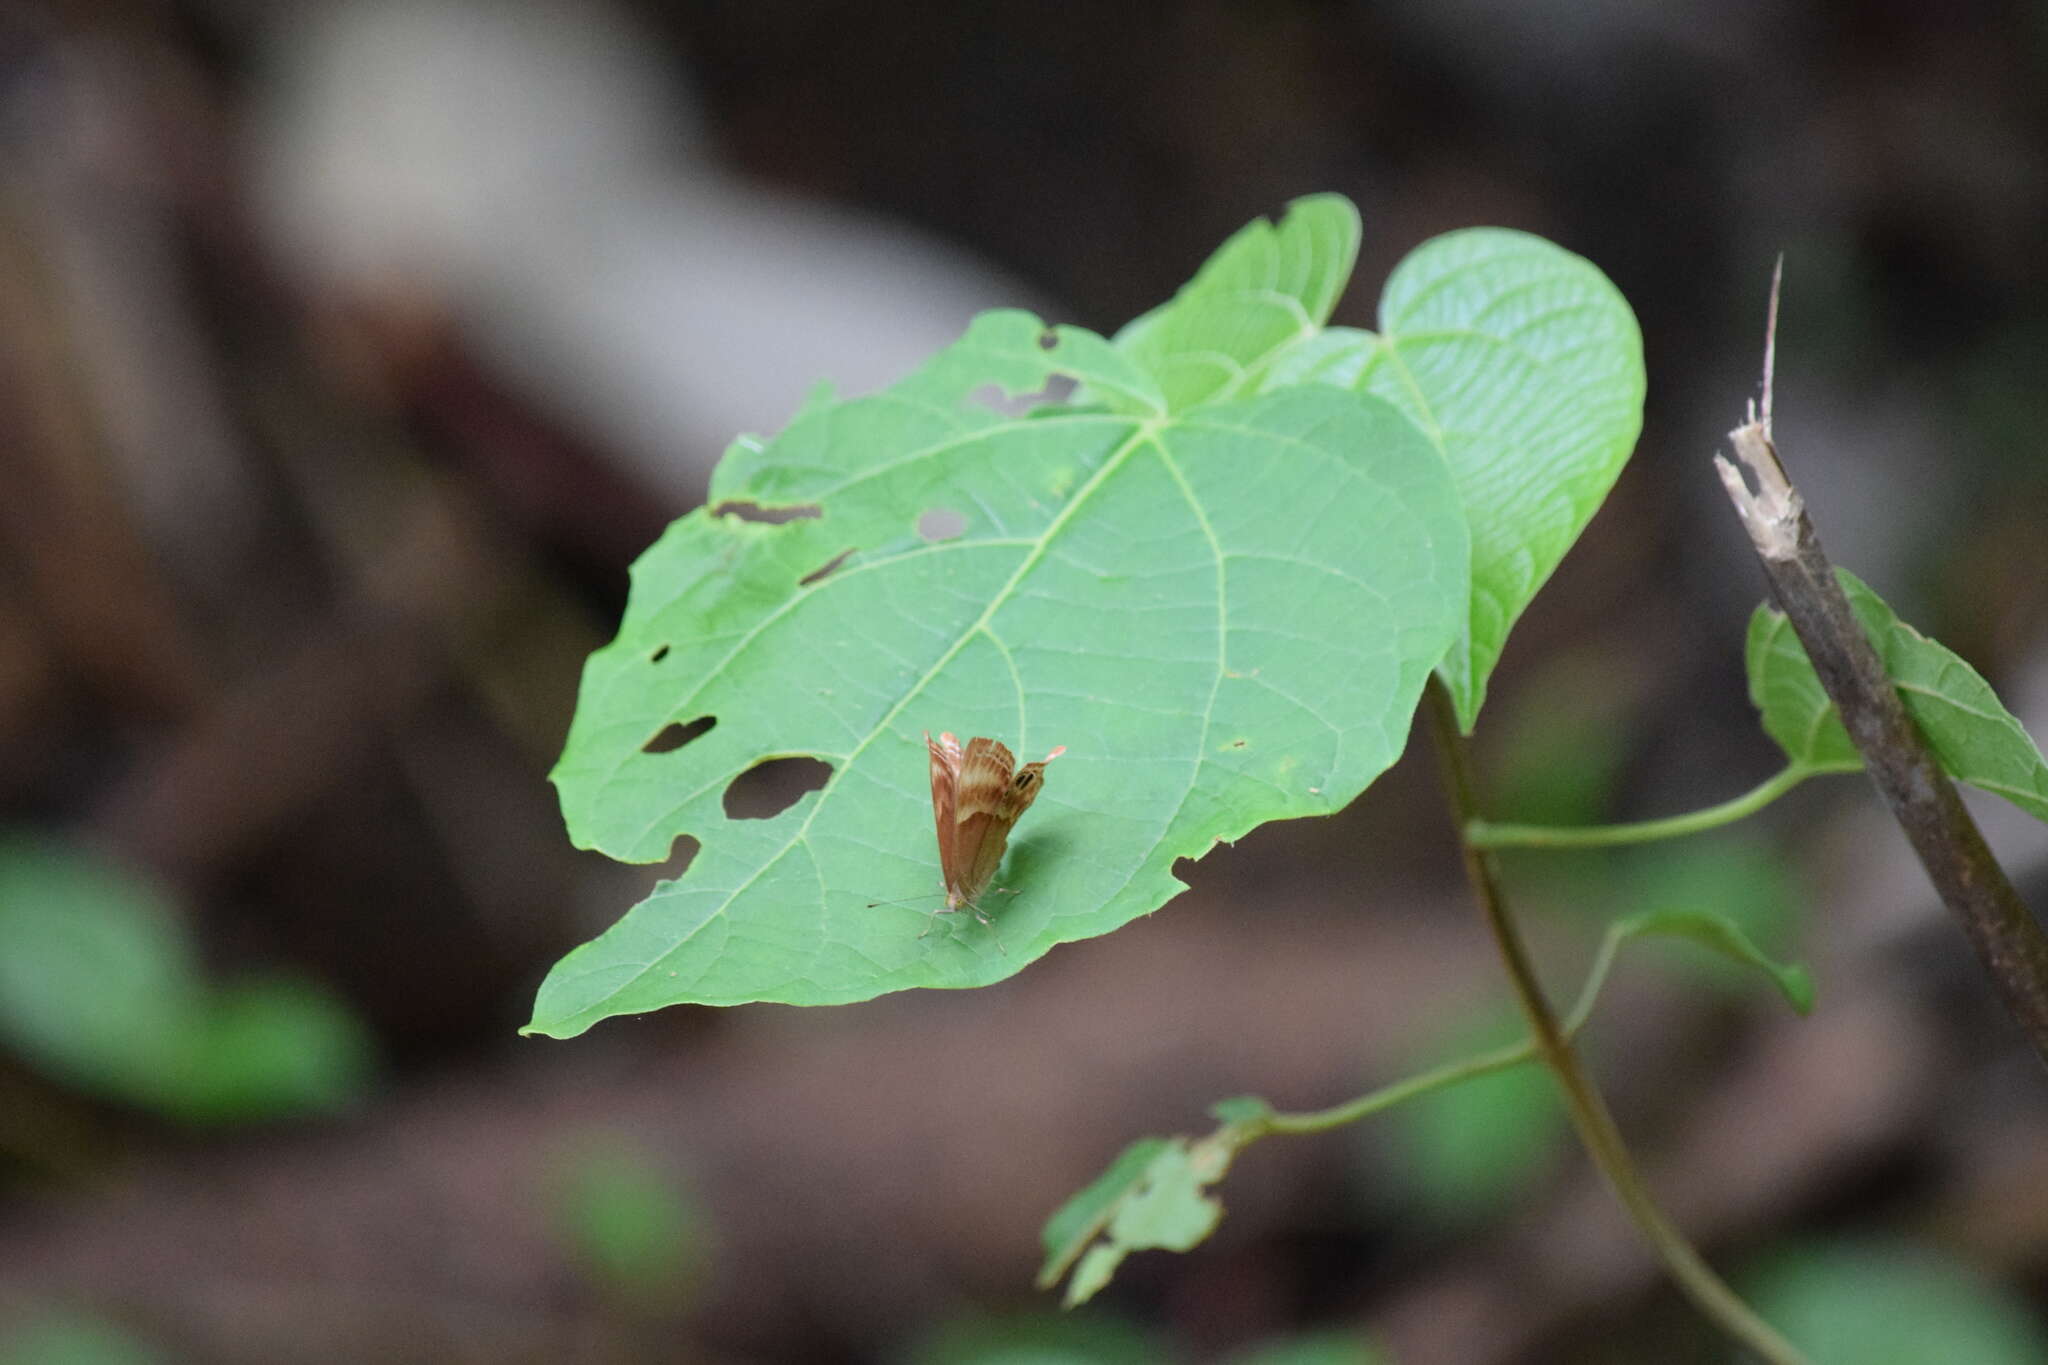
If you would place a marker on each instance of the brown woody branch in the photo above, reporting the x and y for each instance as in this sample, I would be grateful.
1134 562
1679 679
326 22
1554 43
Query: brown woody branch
2007 937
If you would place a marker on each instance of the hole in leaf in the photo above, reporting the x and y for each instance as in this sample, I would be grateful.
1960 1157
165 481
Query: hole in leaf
675 735
1005 404
658 655
1058 389
1237 744
1048 339
772 786
681 854
941 523
824 569
775 516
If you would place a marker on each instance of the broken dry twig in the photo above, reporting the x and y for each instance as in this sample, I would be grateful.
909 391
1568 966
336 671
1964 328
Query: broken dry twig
2007 937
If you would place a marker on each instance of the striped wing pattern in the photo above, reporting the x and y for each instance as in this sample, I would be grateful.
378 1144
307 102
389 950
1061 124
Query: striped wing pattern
977 796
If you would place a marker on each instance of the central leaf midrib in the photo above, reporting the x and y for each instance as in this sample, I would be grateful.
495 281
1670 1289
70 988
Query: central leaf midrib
1140 435
696 699
693 700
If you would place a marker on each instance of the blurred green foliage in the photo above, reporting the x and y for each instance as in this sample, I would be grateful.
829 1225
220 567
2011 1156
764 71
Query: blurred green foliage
100 988
1095 1338
1874 1303
1468 1151
66 1338
632 1229
1315 1348
1557 748
1099 1339
1562 741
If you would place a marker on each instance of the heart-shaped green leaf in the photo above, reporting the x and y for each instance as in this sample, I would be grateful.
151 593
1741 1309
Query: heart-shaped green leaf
1268 289
1525 366
1225 615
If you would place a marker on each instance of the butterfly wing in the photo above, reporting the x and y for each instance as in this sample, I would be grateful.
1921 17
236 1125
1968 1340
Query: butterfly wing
945 752
984 812
977 796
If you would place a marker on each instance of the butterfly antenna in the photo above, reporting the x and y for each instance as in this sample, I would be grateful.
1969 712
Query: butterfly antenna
905 900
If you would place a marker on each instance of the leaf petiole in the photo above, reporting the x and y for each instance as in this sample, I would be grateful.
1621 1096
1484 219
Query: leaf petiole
1500 834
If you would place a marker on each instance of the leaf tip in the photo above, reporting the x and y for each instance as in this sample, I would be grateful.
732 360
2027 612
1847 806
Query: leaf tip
1797 984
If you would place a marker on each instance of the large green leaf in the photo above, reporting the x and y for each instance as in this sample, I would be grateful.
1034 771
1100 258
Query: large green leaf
1226 616
1268 289
1525 366
1975 738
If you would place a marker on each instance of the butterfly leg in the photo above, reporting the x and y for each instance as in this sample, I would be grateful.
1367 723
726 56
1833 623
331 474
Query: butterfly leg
989 925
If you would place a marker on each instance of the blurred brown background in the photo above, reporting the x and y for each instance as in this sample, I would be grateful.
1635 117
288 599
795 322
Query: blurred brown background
348 354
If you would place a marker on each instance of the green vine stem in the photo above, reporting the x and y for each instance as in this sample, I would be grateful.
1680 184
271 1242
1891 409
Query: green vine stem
1440 1077
1491 834
1596 1127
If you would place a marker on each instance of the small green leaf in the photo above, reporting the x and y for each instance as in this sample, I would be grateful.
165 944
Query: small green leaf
1268 289
1850 1303
1075 1223
1153 1197
1525 366
1787 692
1720 934
1226 617
1742 880
1094 1273
1976 739
1167 1208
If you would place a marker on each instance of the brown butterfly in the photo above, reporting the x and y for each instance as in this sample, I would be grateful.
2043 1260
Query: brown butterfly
976 798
